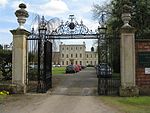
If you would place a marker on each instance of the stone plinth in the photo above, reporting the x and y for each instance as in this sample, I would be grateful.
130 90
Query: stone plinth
129 91
127 54
19 55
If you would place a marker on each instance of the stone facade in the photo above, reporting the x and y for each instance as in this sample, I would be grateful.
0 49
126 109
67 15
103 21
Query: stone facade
56 58
91 58
75 54
142 79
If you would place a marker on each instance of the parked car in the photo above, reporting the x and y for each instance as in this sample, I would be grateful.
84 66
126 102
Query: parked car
77 68
56 65
103 70
83 67
70 69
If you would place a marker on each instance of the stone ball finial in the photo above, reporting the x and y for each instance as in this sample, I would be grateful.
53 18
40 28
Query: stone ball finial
21 15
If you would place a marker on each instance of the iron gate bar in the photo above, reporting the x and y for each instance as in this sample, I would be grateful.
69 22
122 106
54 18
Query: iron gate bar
71 36
74 34
68 36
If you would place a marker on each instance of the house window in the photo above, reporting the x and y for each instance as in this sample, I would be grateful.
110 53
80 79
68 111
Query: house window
67 48
67 63
95 55
80 48
62 62
71 48
80 55
71 55
67 55
62 48
76 62
76 55
76 48
91 55
80 62
62 55
87 62
87 55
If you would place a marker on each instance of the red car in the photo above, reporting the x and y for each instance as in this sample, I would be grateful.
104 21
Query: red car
77 68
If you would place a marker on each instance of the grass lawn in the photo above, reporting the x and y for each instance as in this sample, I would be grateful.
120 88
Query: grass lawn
58 70
129 104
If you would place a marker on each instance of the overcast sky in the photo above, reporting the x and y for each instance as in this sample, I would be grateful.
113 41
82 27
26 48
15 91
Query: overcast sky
50 9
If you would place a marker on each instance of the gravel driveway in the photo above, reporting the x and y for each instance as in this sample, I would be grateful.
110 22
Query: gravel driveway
72 93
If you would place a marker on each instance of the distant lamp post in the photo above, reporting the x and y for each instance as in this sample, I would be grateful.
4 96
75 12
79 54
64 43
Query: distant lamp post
102 29
101 40
102 22
43 24
42 28
21 14
102 35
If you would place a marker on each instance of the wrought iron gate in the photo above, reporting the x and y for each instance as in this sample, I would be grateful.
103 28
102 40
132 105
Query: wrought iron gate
39 77
40 52
109 76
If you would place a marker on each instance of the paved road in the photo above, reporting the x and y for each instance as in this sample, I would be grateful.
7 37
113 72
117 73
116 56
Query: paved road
83 83
72 94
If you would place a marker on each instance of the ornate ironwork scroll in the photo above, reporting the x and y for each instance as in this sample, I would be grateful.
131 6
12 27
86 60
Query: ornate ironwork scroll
72 27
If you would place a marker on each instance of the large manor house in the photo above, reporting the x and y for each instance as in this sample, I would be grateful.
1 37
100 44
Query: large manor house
75 54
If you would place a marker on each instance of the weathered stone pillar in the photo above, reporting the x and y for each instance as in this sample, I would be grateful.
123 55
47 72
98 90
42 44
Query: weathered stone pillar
19 52
19 55
127 51
127 54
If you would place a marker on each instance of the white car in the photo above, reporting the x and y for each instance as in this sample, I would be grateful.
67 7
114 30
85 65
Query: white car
56 65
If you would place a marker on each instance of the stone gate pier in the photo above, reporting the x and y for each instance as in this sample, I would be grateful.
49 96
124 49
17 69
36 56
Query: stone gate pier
127 57
19 53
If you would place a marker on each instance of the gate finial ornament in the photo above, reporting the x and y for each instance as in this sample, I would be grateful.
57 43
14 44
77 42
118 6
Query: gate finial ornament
126 13
21 15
